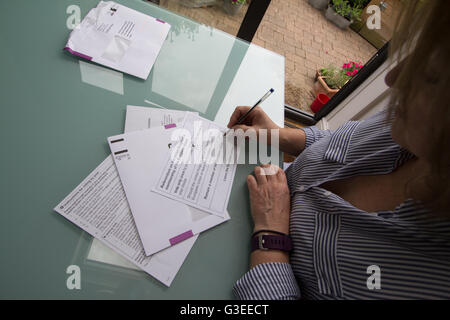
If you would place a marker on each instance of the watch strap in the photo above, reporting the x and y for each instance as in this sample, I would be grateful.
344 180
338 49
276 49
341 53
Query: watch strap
274 242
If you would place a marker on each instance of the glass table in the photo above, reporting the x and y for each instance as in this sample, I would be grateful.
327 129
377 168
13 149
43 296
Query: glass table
56 112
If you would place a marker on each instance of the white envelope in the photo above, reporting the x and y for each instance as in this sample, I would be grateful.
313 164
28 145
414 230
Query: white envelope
161 222
120 38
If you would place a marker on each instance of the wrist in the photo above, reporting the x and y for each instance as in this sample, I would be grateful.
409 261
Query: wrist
268 230
261 256
292 141
268 133
283 136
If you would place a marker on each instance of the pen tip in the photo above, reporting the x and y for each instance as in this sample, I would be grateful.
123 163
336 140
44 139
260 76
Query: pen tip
271 90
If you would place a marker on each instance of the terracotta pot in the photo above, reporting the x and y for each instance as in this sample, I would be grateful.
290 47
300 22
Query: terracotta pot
320 86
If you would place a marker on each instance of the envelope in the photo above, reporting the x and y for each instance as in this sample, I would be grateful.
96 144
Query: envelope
120 38
161 222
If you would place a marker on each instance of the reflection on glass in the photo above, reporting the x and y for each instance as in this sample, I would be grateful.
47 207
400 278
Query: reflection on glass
187 27
101 77
190 75
101 253
220 14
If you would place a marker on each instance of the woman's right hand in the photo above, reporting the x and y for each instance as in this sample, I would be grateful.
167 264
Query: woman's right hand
292 141
256 120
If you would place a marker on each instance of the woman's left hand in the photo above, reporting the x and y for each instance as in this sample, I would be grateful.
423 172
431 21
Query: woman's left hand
269 199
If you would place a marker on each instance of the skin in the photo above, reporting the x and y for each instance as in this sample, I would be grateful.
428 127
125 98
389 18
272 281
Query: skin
269 194
292 140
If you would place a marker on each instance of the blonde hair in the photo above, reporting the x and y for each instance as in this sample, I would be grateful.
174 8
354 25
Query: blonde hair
422 35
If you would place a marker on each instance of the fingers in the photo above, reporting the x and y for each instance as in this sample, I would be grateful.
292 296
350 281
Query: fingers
268 172
266 175
271 171
281 175
238 112
260 175
251 183
241 126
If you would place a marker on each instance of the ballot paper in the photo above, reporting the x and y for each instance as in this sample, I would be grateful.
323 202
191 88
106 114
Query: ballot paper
199 180
119 37
138 118
99 206
160 221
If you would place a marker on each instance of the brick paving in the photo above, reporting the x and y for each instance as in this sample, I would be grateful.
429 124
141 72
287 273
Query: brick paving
295 30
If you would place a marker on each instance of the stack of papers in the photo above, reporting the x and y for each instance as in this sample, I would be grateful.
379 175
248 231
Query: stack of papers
119 37
144 203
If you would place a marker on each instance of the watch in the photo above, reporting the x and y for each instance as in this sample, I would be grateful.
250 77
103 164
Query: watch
269 241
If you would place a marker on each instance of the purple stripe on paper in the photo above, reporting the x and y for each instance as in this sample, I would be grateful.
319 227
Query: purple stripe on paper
181 237
76 53
160 21
168 126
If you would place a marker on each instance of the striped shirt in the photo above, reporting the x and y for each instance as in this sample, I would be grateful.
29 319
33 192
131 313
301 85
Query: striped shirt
342 252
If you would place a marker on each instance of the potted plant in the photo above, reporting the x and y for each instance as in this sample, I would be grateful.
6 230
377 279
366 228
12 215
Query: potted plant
343 14
319 4
330 80
232 7
351 68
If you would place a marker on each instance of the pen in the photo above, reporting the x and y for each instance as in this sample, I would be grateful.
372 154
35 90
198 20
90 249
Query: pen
241 119
264 97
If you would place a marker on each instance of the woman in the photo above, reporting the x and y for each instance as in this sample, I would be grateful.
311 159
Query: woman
367 207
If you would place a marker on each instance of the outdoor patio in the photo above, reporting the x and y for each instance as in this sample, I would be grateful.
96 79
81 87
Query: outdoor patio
297 31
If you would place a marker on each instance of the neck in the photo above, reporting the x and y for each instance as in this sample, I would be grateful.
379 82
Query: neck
411 178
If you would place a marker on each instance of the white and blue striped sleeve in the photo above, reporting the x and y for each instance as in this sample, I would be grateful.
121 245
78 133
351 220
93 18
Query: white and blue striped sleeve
314 134
268 281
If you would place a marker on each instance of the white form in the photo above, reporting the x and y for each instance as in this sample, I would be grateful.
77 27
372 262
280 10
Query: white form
119 37
160 221
119 247
99 206
139 118
199 184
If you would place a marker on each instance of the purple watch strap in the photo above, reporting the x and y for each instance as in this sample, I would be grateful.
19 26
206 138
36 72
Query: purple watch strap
274 242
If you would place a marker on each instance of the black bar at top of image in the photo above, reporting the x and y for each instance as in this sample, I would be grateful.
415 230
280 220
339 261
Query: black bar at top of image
253 17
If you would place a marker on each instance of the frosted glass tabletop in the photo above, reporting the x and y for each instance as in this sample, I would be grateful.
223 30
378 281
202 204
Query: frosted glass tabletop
56 112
